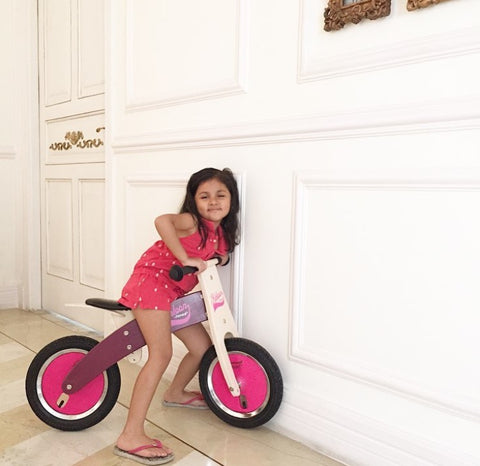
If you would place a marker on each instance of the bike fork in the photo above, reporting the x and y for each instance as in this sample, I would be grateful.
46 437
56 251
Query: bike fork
222 324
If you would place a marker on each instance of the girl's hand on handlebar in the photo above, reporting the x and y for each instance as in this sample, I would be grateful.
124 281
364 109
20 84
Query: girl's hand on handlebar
200 264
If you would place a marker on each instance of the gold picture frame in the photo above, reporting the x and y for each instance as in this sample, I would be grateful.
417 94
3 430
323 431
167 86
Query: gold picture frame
416 4
340 12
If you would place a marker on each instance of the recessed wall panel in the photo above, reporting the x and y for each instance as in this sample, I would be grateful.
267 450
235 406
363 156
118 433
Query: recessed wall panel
148 198
208 57
385 278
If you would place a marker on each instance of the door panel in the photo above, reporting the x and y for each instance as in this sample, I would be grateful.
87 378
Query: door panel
91 197
58 51
58 228
73 241
72 124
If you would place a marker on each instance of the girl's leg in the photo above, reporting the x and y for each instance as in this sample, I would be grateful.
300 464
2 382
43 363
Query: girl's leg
155 327
197 341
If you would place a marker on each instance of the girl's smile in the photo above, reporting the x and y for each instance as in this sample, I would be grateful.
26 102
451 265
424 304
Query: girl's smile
213 200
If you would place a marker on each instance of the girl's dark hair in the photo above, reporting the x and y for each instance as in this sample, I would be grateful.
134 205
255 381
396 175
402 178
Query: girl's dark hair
230 223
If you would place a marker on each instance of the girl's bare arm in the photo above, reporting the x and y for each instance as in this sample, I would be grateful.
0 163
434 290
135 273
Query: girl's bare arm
173 226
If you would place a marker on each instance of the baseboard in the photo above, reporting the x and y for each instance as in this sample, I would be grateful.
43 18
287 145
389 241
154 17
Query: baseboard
9 296
357 440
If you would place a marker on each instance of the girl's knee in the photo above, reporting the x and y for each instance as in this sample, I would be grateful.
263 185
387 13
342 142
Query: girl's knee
159 358
199 350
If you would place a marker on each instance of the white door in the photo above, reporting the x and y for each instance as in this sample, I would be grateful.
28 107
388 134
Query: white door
72 128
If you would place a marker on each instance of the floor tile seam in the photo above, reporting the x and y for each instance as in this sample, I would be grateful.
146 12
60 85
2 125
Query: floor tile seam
63 327
18 342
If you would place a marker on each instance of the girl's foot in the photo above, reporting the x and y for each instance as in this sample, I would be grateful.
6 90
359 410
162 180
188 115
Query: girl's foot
193 400
143 450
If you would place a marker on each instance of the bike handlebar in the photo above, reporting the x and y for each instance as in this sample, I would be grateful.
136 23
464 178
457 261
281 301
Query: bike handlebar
177 272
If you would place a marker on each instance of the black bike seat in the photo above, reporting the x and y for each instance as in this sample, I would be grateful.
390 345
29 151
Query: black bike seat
108 304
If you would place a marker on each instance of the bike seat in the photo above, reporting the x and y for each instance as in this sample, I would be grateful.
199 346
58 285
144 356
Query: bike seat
108 304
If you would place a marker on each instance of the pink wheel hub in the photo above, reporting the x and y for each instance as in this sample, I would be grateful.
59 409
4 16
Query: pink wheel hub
79 402
252 379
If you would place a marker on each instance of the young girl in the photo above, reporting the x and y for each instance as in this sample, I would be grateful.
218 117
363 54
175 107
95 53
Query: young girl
206 226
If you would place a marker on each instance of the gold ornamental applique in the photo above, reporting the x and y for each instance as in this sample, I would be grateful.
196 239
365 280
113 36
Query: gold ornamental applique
76 139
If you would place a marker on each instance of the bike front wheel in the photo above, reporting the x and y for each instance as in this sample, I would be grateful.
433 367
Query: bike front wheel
259 378
43 386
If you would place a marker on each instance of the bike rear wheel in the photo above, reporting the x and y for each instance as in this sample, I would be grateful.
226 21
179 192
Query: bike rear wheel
260 380
43 386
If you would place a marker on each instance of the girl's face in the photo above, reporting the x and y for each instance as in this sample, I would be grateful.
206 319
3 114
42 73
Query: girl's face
213 200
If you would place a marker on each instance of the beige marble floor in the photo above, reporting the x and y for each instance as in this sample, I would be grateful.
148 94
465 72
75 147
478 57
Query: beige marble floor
198 438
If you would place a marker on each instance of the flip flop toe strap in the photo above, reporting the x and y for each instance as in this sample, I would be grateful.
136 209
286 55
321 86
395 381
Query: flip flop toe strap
155 444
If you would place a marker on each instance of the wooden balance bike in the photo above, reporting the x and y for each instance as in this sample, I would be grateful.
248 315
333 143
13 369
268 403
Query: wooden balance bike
73 382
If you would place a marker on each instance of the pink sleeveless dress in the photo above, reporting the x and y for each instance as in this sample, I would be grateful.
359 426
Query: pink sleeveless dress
150 287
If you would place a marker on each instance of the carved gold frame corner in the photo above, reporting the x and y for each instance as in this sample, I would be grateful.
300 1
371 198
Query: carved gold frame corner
416 4
337 14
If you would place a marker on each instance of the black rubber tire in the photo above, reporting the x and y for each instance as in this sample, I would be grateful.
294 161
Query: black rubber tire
274 380
39 405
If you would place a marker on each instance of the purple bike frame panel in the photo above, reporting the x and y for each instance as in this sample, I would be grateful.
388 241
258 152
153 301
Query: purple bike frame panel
184 312
116 346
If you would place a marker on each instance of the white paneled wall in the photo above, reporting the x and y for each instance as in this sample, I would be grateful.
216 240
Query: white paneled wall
359 159
388 272
19 229
357 154
412 37
9 166
212 64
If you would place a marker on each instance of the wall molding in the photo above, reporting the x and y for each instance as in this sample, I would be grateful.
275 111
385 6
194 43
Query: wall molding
145 180
329 427
230 86
368 374
400 53
8 152
9 295
416 118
